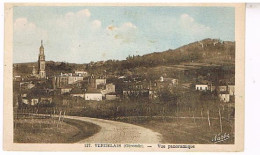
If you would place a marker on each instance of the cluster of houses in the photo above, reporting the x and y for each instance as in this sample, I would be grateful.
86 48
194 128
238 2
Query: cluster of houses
225 92
72 84
35 99
94 89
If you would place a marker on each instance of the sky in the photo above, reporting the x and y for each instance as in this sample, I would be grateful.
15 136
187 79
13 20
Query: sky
95 33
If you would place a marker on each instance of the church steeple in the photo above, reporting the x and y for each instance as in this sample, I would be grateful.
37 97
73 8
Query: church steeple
41 62
41 48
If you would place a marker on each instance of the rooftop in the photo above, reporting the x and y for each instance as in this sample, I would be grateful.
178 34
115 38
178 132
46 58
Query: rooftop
77 91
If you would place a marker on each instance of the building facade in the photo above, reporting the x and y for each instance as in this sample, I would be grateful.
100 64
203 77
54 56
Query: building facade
65 79
202 87
100 82
93 96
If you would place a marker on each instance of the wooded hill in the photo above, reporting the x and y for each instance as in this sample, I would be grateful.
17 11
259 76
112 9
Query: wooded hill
208 52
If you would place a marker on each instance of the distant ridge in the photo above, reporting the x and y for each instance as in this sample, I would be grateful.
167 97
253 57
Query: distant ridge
206 52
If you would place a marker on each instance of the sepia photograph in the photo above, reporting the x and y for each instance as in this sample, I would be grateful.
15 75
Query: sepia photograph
127 77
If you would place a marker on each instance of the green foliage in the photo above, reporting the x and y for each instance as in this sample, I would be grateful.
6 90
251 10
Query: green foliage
63 67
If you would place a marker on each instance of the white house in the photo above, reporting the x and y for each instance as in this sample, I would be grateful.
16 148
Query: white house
81 73
34 101
78 95
25 101
224 97
202 87
231 90
93 96
65 90
170 80
222 88
24 95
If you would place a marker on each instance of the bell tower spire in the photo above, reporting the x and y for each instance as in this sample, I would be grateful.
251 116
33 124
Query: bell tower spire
41 62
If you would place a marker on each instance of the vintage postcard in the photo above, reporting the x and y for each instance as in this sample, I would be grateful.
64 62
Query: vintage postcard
124 77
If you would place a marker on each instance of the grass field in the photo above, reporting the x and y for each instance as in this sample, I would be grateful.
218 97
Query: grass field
49 130
186 130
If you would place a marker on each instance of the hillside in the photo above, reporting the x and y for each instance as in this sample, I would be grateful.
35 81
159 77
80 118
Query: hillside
210 51
204 53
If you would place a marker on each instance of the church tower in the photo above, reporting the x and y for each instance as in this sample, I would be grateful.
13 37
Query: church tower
41 63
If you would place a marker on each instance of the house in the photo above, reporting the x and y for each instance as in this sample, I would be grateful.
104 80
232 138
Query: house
224 97
93 94
164 83
26 85
109 88
65 79
24 95
111 96
30 101
173 81
17 78
74 79
97 83
222 88
46 99
121 77
231 90
81 73
100 82
25 101
34 101
202 87
65 90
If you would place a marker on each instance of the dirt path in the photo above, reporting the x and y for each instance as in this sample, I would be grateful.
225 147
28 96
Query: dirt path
118 132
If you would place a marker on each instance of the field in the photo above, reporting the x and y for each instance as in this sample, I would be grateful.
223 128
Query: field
32 129
177 118
186 130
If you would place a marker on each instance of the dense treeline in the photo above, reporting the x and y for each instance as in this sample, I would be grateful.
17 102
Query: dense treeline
211 52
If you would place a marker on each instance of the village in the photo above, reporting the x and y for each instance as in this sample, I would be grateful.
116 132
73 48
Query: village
40 88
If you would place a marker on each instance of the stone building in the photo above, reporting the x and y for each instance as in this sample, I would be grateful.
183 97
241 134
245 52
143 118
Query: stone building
65 79
100 82
93 94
